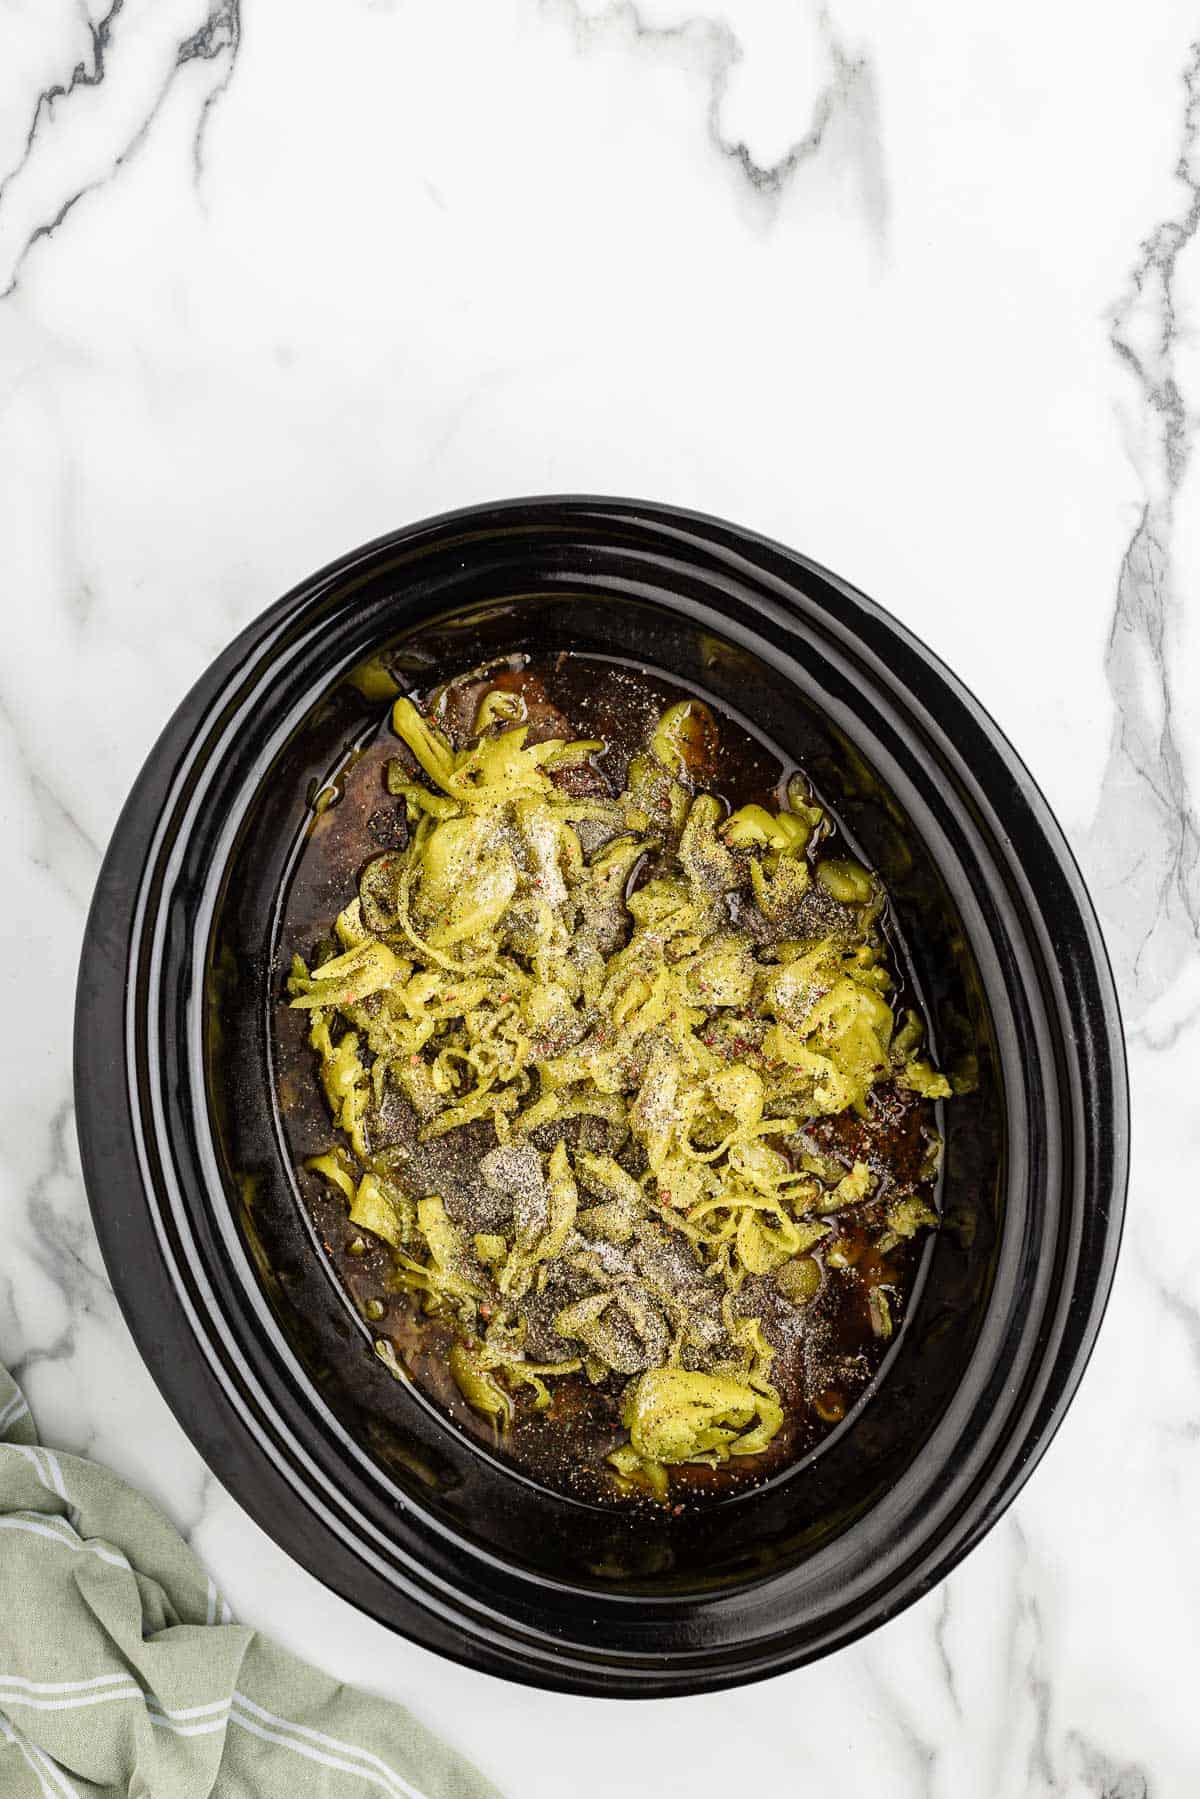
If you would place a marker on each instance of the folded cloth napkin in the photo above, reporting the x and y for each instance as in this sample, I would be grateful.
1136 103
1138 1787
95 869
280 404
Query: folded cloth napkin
122 1671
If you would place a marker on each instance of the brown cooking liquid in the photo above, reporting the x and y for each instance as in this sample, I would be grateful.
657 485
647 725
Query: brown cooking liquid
826 1352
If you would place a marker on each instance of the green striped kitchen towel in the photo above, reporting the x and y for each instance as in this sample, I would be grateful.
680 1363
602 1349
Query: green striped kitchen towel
122 1671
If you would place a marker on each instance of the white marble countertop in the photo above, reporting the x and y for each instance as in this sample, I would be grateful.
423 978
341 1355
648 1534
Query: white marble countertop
914 289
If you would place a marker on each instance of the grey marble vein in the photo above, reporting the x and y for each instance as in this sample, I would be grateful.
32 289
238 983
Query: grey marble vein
1143 850
1038 1687
916 1737
46 230
1026 1660
1104 1777
62 861
1183 1310
82 75
1076 1761
940 1629
844 116
217 36
68 852
63 1247
221 32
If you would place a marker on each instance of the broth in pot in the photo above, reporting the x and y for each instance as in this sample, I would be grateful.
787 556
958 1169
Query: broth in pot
605 1077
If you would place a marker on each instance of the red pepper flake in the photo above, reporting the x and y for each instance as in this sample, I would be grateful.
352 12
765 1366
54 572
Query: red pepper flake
414 1059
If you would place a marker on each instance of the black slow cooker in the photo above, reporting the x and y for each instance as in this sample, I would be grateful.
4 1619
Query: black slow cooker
214 1259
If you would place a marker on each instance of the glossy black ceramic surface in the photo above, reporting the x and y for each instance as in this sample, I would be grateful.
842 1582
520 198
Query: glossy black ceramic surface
230 1295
